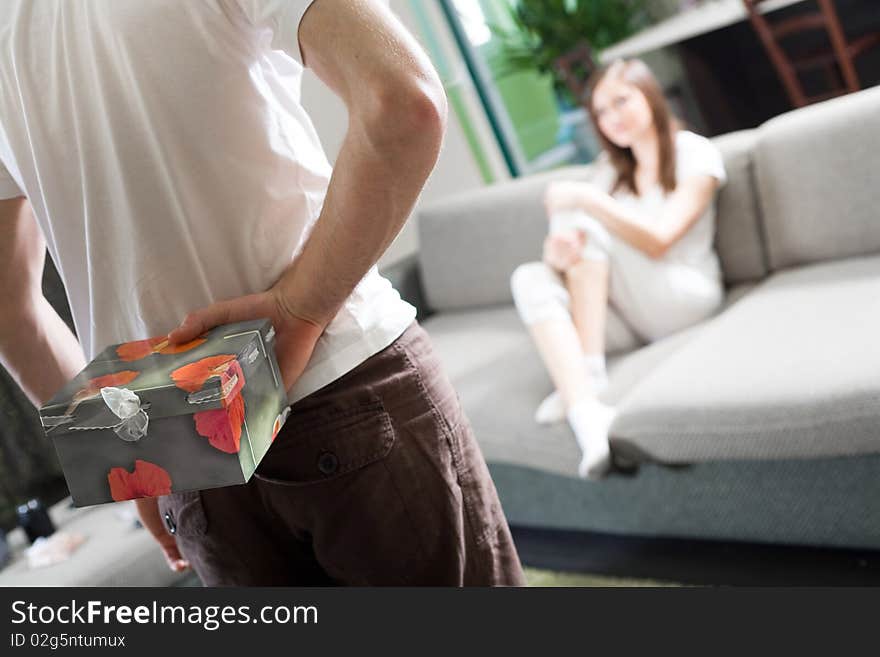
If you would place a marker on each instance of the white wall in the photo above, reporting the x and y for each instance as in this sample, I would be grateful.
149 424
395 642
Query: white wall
456 169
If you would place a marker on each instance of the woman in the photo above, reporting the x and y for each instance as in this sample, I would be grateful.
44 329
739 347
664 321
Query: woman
639 237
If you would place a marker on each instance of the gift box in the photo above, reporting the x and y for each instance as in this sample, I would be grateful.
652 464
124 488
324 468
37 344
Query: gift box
145 418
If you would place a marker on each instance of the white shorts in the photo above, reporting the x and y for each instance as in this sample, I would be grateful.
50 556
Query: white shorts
648 298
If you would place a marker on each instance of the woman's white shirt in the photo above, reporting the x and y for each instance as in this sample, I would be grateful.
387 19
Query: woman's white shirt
694 156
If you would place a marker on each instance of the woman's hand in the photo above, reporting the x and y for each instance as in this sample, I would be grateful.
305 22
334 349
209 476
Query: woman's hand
295 336
563 250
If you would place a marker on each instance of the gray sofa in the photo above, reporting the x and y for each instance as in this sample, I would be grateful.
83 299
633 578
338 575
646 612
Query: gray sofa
761 424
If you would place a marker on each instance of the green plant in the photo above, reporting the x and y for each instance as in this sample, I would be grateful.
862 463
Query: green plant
544 30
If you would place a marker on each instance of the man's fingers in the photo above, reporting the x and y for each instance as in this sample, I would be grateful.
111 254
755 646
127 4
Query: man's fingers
197 322
175 560
252 306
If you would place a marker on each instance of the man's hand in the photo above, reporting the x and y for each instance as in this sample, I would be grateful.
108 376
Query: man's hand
295 337
563 250
148 510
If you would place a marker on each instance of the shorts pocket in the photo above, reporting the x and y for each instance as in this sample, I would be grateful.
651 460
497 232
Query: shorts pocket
326 444
479 496
184 514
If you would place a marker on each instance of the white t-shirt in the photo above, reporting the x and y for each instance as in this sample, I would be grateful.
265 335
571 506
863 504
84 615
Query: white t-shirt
170 163
660 296
694 156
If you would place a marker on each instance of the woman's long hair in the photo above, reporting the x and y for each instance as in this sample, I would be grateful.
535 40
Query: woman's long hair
637 73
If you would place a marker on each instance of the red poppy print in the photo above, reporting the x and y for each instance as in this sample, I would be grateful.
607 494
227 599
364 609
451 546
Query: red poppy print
232 381
222 426
147 480
193 376
93 386
129 351
116 380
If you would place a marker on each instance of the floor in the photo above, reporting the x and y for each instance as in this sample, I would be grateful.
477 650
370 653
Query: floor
555 558
544 578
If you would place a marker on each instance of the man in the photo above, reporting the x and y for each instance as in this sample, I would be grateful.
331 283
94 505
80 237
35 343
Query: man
160 150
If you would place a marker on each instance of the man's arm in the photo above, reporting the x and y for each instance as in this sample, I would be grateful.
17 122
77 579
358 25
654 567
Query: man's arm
397 117
36 347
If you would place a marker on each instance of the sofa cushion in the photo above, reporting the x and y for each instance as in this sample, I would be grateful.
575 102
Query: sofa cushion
499 377
738 236
790 371
816 173
470 244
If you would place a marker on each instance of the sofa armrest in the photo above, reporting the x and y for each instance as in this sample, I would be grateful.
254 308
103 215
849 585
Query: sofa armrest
470 244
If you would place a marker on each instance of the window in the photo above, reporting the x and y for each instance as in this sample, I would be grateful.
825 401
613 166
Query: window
535 129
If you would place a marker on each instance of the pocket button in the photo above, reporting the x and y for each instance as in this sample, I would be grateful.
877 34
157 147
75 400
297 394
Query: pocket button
328 464
169 522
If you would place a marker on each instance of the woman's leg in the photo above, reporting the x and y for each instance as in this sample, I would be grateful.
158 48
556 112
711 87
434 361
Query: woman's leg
587 284
544 304
560 349
590 419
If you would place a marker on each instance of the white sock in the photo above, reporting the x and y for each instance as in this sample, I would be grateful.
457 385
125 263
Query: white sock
590 420
552 409
595 364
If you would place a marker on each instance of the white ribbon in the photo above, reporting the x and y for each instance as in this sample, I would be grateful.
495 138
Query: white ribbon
127 407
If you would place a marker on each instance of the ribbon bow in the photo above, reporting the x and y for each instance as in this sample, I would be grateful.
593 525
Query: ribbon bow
127 407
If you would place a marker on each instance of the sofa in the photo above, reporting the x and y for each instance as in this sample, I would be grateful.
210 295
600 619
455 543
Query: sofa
761 424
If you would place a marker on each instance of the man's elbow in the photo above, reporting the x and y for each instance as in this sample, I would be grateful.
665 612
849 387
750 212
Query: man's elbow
410 117
429 110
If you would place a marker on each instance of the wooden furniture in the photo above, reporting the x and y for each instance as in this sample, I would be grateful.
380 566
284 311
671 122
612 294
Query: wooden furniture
836 60
708 102
690 24
576 67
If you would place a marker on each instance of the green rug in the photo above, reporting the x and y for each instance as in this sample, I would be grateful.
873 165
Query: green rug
535 577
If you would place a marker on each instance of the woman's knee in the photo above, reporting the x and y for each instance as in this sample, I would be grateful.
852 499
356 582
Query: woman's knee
538 292
528 277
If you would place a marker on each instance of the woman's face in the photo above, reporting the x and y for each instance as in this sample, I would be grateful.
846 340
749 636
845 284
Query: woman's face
622 112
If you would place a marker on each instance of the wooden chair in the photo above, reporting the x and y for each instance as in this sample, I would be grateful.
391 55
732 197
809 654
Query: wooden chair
575 68
836 60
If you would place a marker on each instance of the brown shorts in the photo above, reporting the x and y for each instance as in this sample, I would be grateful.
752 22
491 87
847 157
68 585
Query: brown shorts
376 479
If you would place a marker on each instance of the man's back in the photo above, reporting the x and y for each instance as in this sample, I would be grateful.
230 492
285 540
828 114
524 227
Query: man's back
167 157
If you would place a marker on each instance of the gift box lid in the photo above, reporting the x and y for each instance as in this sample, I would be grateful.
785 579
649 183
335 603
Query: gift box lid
129 383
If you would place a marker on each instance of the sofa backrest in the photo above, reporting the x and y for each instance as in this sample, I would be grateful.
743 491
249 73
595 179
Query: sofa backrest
816 171
470 244
800 189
